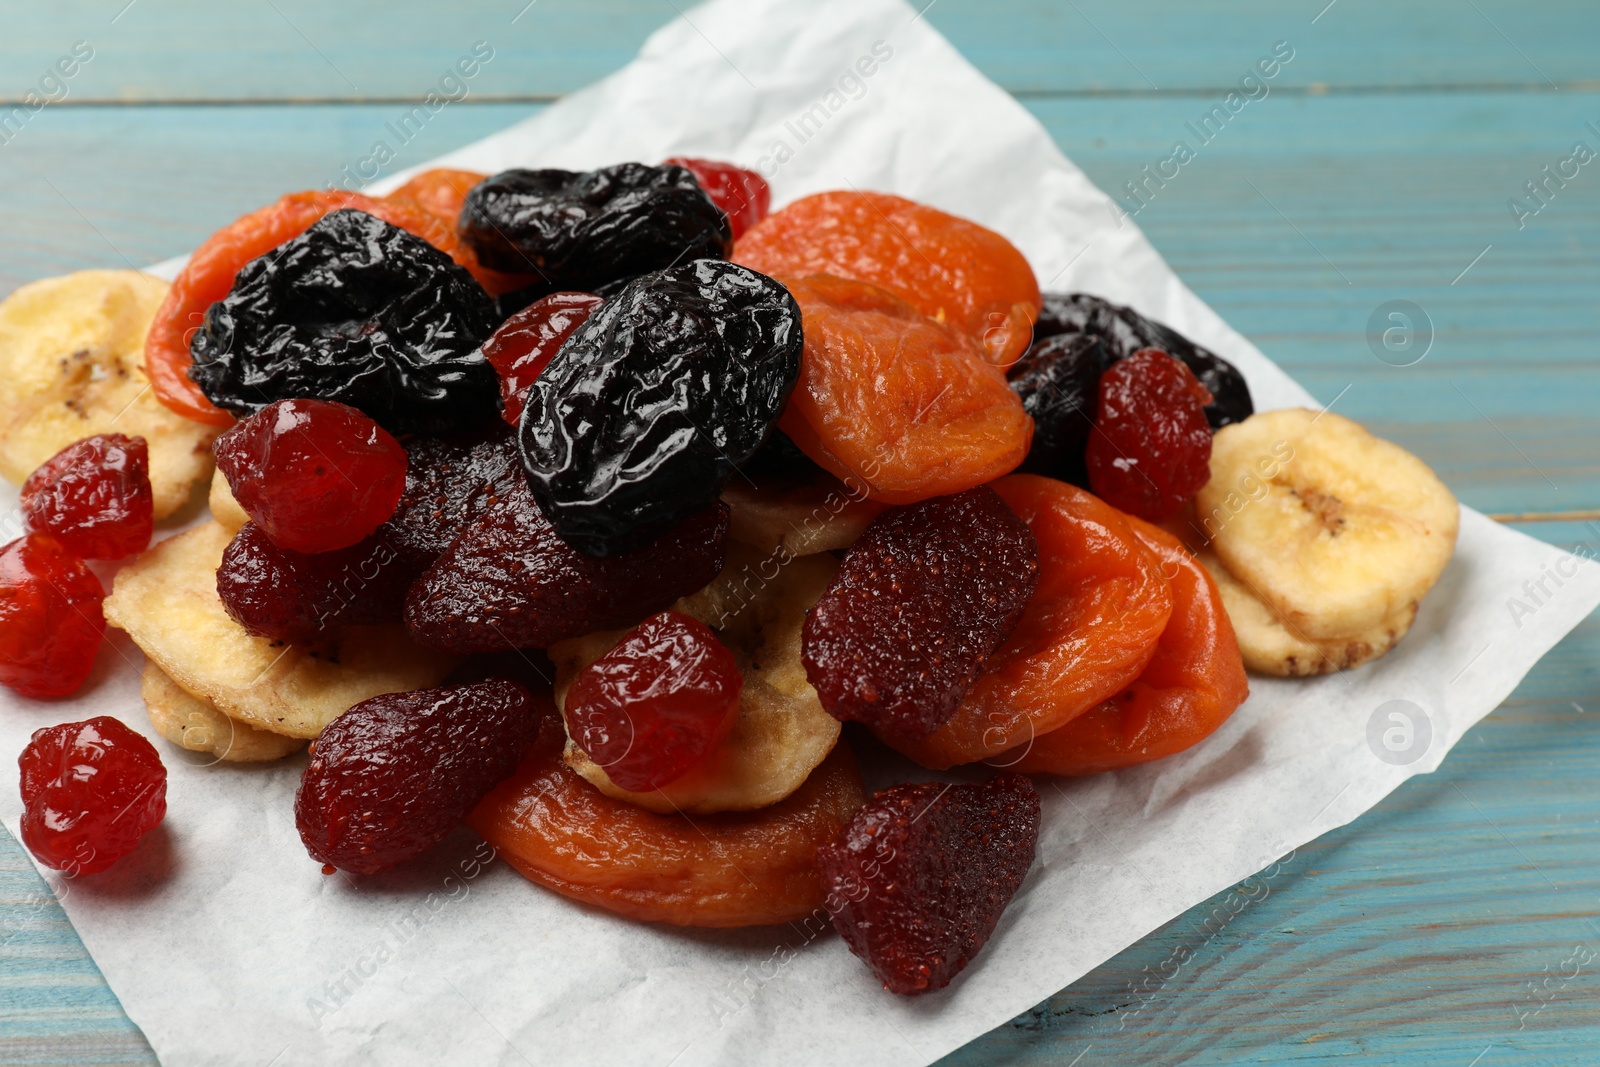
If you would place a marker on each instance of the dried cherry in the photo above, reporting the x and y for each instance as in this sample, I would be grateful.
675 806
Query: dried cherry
892 400
90 791
94 497
315 476
1058 381
647 410
919 879
508 581
579 231
527 341
1151 449
358 311
392 776
952 270
450 482
920 601
743 195
50 618
657 704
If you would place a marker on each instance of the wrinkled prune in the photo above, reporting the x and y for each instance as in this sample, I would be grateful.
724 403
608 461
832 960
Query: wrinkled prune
743 194
1058 381
919 879
90 791
526 342
50 618
648 409
580 230
449 483
94 497
393 775
1125 332
358 311
510 582
1151 449
920 601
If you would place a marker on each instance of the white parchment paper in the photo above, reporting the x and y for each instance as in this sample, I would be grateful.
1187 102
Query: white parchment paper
227 946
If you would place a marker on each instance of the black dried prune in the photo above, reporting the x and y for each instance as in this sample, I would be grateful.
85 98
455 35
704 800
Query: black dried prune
581 230
1124 332
358 311
647 410
1057 381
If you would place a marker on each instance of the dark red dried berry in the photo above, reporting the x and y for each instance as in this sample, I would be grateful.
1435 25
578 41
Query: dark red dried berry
393 775
510 582
50 618
528 340
921 600
743 195
295 597
1150 452
94 497
90 791
314 475
919 879
657 704
449 484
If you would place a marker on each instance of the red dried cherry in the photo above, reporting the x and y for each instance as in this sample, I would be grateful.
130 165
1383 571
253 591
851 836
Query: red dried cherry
94 497
919 879
657 704
1150 451
313 474
743 195
50 618
528 340
90 791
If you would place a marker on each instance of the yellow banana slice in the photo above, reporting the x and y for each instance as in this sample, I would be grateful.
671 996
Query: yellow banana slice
194 724
1337 531
72 365
818 516
224 508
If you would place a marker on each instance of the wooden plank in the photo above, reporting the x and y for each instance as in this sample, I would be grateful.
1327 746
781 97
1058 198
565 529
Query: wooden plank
150 50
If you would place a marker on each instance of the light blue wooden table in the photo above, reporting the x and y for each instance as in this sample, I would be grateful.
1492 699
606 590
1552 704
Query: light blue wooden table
1437 929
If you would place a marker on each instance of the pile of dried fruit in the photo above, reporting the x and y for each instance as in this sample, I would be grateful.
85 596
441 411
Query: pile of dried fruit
585 508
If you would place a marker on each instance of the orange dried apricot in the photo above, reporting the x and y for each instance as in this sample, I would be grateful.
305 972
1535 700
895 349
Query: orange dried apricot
952 270
727 870
896 401
441 192
1092 626
1193 683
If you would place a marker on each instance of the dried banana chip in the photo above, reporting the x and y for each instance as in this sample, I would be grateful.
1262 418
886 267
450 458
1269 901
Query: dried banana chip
194 724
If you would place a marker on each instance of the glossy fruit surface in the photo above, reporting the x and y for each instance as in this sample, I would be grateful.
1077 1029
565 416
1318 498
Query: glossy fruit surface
1059 383
1192 684
953 271
657 704
920 601
727 870
94 497
1151 449
450 482
314 475
441 192
50 618
393 775
1089 630
90 791
743 195
892 400
526 342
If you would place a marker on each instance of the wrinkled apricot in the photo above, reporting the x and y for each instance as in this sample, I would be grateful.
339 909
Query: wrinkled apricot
727 870
890 399
1192 684
952 270
1099 607
441 192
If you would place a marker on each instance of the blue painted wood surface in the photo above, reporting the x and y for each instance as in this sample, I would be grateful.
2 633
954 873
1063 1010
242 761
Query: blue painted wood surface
1442 927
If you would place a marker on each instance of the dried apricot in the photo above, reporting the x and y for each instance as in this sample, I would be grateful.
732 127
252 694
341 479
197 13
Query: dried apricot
890 399
1192 684
728 870
441 192
1090 629
954 271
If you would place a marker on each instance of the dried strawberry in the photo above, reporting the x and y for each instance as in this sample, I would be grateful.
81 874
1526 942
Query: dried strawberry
919 879
393 775
920 601
1150 451
50 618
90 791
94 497
529 339
743 195
450 482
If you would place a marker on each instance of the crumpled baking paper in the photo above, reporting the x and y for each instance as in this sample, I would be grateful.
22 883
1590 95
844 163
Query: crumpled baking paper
227 946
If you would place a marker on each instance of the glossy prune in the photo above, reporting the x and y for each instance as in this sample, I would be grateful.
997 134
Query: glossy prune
393 775
1151 449
450 481
356 311
743 194
920 601
94 497
1124 332
580 230
508 581
919 879
90 791
51 620
647 410
1058 381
